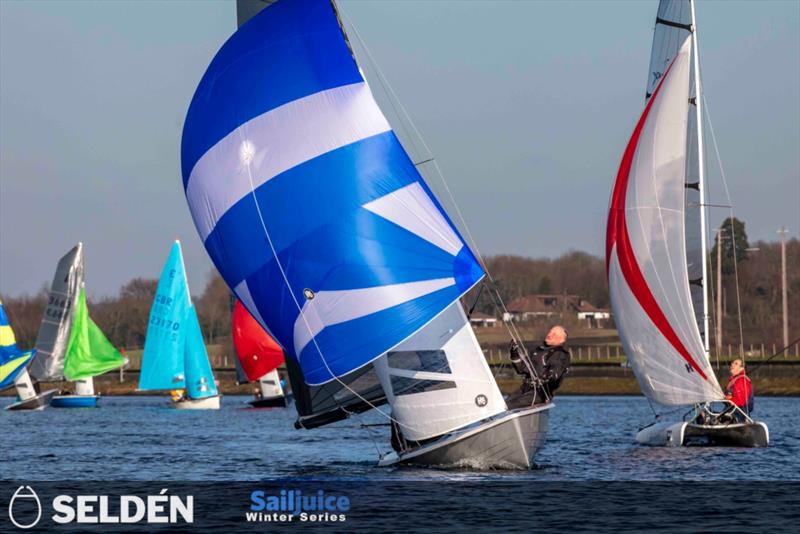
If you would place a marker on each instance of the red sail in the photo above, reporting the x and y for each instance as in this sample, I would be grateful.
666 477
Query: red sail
257 351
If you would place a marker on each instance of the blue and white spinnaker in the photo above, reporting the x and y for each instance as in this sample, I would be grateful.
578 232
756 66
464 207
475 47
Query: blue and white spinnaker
306 201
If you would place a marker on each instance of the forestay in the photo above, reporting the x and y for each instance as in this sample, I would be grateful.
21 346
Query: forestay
646 251
307 203
54 332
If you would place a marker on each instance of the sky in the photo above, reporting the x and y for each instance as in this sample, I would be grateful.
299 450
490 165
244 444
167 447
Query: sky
525 105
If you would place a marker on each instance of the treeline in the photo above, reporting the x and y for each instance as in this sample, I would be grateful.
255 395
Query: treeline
124 317
579 273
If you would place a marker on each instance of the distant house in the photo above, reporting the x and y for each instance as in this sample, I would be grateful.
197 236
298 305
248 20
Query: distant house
534 307
594 317
482 319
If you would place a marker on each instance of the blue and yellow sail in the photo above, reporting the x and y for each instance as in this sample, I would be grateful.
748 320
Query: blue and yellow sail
12 359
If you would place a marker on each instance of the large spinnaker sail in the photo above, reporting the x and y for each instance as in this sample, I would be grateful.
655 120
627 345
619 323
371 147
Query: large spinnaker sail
307 203
164 346
256 351
12 359
673 27
646 252
54 332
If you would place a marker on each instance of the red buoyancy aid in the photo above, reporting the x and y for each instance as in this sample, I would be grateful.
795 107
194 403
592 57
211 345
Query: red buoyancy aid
740 391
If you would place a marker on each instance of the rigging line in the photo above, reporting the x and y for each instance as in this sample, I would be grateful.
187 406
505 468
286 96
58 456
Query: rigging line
733 231
394 99
711 273
294 298
784 349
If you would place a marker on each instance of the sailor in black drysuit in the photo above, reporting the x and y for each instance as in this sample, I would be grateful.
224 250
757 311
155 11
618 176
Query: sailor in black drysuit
550 364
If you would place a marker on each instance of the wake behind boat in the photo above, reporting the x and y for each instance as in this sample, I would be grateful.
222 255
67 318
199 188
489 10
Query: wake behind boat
656 249
322 226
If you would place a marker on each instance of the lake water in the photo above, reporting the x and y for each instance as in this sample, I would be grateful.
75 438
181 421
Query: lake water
139 438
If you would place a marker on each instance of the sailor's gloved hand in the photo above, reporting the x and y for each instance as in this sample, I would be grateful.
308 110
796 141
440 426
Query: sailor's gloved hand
513 350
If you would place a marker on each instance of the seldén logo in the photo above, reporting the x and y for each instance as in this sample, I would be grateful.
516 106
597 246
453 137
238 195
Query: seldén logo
22 503
25 509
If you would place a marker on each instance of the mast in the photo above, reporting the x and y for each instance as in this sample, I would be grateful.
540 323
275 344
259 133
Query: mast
702 174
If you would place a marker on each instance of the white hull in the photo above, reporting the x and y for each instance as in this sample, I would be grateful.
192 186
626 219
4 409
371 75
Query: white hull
208 403
508 440
751 434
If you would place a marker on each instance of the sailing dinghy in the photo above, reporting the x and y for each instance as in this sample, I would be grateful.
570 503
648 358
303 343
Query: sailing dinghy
89 354
70 346
13 369
258 358
175 356
320 223
656 249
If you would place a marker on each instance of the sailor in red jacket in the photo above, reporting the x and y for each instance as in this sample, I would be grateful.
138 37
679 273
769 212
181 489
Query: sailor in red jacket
739 389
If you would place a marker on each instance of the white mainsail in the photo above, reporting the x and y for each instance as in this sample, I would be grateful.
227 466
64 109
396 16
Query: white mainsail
646 250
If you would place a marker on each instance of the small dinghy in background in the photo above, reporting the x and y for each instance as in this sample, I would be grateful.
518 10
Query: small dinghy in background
175 356
656 249
257 359
728 427
321 224
14 372
70 346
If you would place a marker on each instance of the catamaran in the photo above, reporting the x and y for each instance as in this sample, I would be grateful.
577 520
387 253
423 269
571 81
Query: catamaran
70 346
656 249
175 356
13 366
323 227
258 358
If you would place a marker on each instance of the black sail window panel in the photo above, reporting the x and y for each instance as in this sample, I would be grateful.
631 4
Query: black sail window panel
408 386
432 361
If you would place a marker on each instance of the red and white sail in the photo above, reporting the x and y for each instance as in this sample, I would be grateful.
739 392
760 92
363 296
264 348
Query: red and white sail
646 253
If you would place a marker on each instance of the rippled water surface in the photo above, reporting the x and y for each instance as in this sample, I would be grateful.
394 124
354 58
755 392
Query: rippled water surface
139 438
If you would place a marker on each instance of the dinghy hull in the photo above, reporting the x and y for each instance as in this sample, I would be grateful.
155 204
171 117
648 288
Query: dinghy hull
750 434
508 440
39 402
74 401
207 403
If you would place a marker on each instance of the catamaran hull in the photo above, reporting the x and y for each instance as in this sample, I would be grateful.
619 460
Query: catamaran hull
39 402
208 403
74 401
281 401
508 440
755 434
